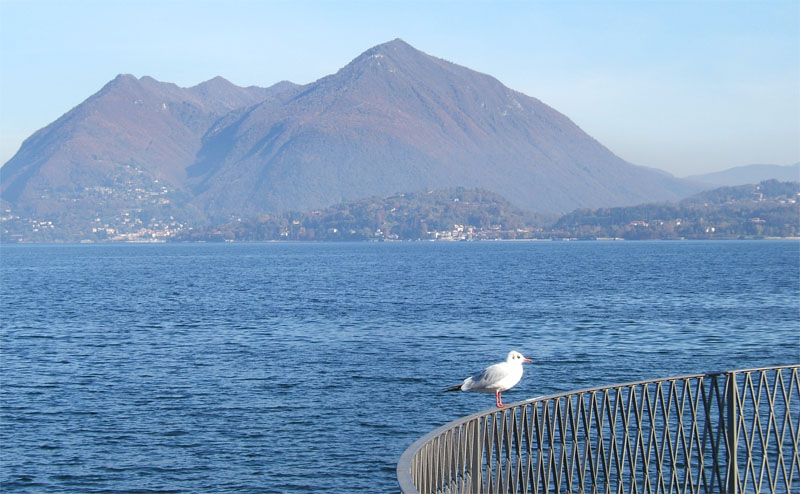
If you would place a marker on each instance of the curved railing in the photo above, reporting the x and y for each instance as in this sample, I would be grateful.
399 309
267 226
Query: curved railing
720 432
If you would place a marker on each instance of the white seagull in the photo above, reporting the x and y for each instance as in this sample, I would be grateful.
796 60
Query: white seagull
495 378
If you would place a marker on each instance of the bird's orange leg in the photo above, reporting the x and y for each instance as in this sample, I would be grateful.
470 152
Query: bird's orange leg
498 400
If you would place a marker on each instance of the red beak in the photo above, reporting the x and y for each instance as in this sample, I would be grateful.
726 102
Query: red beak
527 360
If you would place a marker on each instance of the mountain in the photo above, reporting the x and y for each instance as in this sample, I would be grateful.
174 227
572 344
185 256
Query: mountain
750 174
132 134
394 119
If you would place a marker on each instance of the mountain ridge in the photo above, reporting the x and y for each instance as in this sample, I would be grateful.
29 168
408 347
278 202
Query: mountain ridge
393 119
438 125
748 174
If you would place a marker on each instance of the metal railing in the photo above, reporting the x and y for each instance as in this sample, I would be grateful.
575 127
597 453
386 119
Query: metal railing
720 432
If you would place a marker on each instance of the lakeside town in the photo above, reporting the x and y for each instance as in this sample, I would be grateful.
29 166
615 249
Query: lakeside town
766 210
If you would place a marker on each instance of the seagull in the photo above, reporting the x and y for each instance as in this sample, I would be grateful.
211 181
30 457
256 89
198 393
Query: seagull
495 378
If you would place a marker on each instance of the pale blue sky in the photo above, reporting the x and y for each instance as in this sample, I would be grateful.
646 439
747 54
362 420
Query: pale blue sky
687 87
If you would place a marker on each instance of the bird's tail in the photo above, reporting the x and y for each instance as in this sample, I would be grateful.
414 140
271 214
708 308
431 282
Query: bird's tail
457 387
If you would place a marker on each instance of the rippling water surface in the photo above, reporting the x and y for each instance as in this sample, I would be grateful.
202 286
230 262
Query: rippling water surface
311 367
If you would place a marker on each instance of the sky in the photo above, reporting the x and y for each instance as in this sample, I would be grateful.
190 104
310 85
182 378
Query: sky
684 86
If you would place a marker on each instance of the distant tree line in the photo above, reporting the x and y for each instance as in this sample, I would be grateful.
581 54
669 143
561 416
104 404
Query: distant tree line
768 209
412 216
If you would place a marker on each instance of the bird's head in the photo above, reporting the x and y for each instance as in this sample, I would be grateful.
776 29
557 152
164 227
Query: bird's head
516 357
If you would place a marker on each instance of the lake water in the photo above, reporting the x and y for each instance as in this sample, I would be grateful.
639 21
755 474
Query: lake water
311 367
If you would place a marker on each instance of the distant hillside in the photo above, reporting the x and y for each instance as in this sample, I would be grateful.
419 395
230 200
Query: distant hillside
750 174
451 214
121 152
147 156
770 208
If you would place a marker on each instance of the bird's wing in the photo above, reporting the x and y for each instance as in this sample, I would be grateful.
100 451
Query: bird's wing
489 377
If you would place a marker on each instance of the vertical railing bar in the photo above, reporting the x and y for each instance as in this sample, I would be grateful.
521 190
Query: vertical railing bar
695 434
464 485
460 455
686 448
612 424
780 432
439 461
548 423
706 429
476 463
541 467
555 435
426 474
491 434
510 417
452 459
500 436
539 472
425 466
610 462
691 447
445 459
561 430
586 415
528 436
721 392
525 450
622 450
787 424
749 470
535 447
638 410
688 479
665 434
670 444
658 454
795 380
651 436
628 460
765 464
516 442
574 455
732 475
755 427
600 448
780 463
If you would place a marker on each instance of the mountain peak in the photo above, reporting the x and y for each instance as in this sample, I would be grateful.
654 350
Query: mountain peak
216 82
125 78
395 49
395 44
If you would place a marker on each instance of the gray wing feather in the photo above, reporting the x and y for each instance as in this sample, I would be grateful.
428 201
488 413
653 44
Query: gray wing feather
486 377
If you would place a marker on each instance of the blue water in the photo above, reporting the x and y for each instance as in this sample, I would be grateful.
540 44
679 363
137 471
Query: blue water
311 367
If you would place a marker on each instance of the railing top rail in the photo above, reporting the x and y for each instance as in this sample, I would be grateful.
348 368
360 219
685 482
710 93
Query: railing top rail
404 463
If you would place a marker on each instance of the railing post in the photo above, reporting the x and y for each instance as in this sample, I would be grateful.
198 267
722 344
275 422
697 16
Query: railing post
475 477
732 433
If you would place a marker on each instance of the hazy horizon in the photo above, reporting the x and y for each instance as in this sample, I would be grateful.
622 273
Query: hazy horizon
683 87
